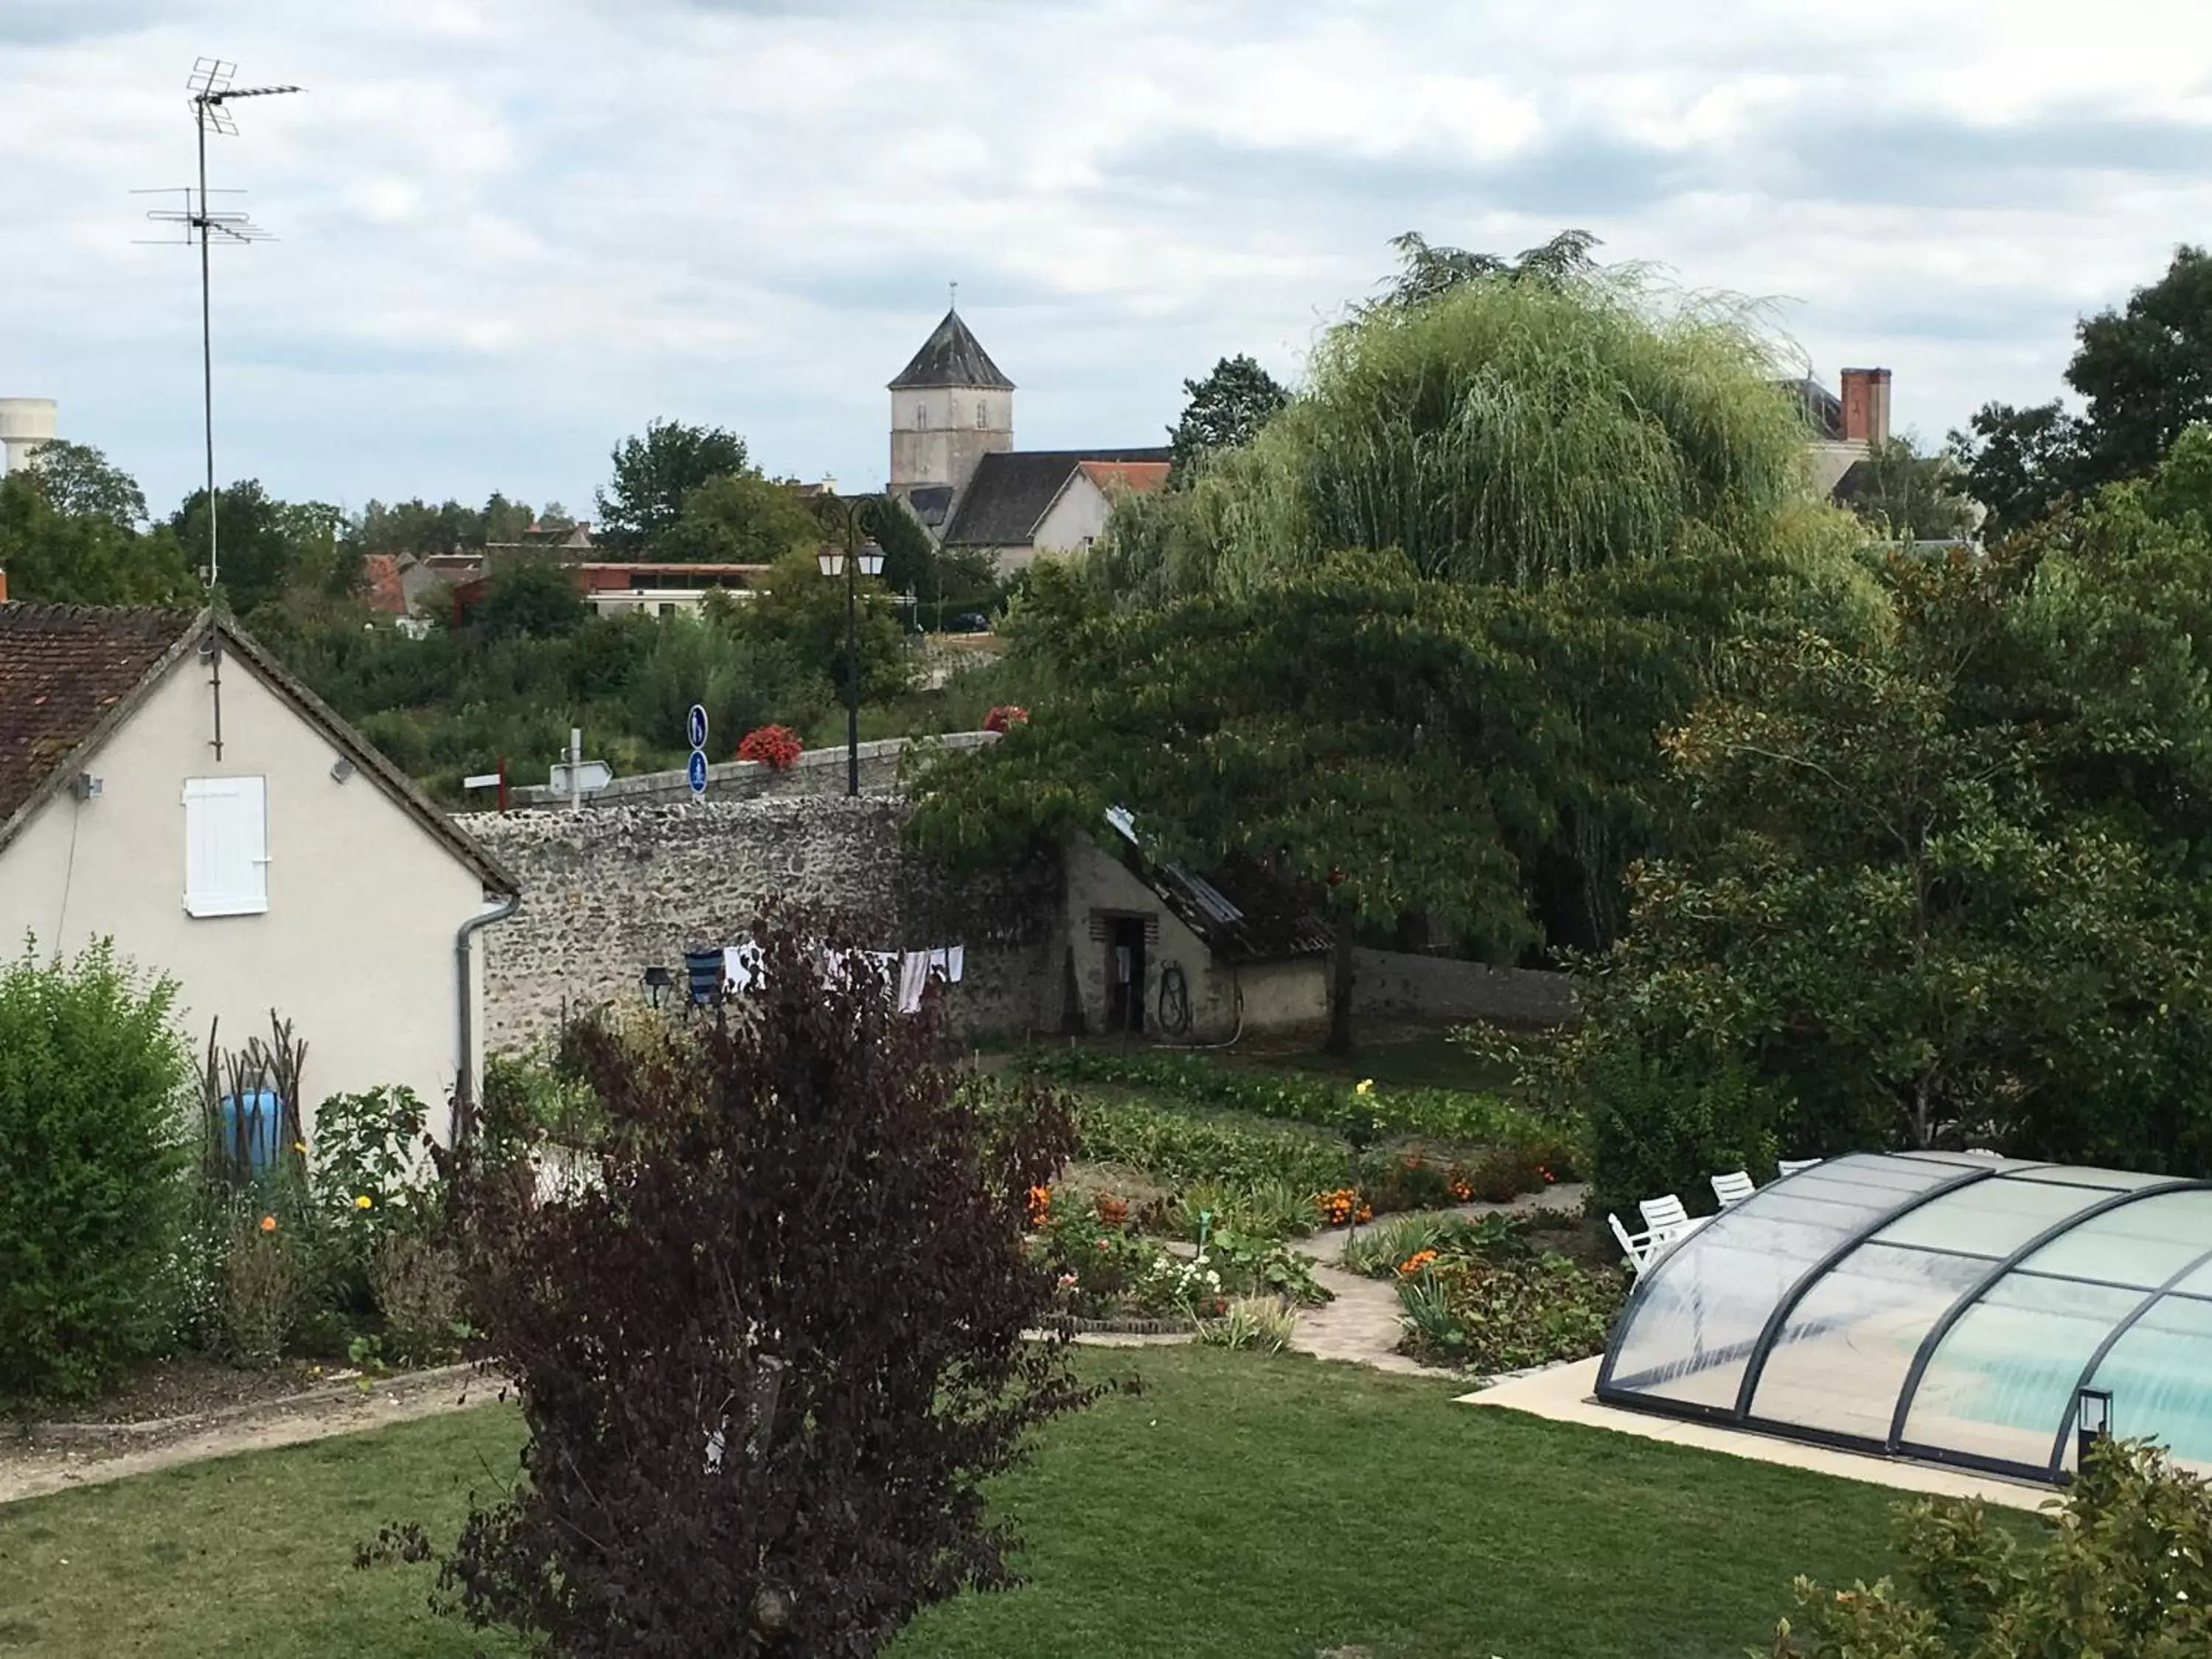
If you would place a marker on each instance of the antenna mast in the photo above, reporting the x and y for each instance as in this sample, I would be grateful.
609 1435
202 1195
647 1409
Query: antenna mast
209 84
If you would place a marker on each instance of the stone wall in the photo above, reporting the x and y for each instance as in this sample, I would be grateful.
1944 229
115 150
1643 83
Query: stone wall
1396 983
815 772
610 891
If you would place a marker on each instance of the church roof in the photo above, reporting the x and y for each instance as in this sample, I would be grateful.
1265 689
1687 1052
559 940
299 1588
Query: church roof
1012 490
953 356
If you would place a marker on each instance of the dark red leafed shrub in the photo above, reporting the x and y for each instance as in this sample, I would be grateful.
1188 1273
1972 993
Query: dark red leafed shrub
776 747
1005 717
770 1347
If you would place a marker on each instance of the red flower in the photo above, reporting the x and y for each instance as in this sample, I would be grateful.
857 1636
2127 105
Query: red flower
1005 717
776 747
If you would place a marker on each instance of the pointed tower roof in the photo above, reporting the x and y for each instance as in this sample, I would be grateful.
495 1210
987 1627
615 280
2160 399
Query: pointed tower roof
953 356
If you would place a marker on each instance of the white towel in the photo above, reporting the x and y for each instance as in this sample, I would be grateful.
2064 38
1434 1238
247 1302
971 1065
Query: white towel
913 976
740 963
956 959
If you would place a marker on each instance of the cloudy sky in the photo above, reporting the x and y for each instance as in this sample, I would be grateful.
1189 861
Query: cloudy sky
514 230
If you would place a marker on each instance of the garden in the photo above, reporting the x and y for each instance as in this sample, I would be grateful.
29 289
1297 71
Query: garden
1199 1183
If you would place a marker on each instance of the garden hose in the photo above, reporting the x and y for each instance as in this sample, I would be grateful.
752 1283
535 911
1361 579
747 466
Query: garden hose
1174 1000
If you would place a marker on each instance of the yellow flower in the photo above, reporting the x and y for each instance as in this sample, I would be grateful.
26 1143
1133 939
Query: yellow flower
1366 1086
299 1146
268 1224
364 1202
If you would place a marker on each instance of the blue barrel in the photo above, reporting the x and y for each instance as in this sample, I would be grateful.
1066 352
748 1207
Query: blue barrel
254 1121
703 969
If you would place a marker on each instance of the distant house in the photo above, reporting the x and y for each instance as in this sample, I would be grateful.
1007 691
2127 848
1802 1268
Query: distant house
1845 429
1025 502
636 587
1161 951
954 462
164 783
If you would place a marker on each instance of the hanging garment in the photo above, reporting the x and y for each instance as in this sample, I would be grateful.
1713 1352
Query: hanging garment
913 979
741 964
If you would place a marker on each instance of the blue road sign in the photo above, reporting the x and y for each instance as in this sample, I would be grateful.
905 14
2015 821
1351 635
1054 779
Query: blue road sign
696 771
695 725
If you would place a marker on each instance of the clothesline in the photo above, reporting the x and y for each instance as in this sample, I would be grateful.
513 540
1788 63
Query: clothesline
906 974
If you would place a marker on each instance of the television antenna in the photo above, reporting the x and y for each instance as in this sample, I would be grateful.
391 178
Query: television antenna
212 95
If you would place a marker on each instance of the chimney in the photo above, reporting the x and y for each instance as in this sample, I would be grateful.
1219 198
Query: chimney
1866 406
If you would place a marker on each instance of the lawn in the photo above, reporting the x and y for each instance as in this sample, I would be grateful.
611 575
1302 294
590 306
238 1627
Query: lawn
1235 1506
1425 1060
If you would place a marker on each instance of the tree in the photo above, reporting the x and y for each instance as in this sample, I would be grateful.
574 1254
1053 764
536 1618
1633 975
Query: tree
87 558
1911 496
738 517
1947 882
2126 1570
2145 372
772 1348
554 516
1505 431
260 542
1374 741
1226 410
81 482
802 612
2019 462
529 601
1427 271
502 521
655 475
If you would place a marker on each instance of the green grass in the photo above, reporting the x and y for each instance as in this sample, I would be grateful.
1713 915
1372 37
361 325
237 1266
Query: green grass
1432 1060
1237 1506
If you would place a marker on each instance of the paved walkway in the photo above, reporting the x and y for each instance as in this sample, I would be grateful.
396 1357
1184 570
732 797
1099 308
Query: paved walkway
1361 1325
1564 1394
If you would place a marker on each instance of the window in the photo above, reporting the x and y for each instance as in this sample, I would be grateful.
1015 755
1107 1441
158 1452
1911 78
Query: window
921 417
226 847
983 414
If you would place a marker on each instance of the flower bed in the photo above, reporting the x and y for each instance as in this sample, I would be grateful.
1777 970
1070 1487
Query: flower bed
1360 1111
1109 1273
1483 1313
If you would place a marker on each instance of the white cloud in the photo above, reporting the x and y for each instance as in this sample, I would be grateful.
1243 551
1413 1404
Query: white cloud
514 230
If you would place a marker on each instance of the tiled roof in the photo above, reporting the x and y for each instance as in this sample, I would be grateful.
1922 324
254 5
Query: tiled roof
62 669
951 356
1142 476
380 577
1010 490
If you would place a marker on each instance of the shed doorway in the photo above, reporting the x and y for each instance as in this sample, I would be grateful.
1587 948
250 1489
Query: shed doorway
1125 976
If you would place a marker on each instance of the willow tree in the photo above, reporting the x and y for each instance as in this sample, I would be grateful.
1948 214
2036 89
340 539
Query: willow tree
1506 431
1570 498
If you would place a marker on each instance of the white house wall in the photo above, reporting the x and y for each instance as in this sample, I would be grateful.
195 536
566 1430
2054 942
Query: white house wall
1075 518
356 947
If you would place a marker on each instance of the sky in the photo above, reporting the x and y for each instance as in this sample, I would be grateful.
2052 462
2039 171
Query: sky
512 232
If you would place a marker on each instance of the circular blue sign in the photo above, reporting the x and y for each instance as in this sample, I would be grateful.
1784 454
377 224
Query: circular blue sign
696 771
695 725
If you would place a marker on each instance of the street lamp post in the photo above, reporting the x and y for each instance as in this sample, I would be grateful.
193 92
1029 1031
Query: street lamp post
856 558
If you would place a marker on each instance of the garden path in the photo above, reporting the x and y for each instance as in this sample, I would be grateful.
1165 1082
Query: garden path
1361 1325
33 1468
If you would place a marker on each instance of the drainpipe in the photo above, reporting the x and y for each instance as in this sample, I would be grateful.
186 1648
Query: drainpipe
464 1082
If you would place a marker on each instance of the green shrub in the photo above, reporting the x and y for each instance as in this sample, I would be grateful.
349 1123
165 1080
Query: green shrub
415 1278
2127 1570
1180 1148
93 1153
1260 1323
1475 1313
1656 1129
1361 1112
1263 1209
370 1177
1378 1251
264 1290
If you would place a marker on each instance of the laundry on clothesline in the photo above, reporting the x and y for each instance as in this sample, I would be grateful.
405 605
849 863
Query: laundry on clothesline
906 976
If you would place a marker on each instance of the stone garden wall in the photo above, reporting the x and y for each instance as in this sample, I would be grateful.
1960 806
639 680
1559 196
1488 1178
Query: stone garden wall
615 889
1410 986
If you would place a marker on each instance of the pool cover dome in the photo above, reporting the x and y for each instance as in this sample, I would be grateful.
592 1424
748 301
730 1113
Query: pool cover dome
1941 1306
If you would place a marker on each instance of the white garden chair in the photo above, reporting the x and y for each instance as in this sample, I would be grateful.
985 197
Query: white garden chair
1733 1189
1665 1217
1639 1248
1791 1166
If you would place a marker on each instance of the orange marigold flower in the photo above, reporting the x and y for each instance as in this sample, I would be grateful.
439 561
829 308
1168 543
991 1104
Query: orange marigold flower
268 1224
1413 1263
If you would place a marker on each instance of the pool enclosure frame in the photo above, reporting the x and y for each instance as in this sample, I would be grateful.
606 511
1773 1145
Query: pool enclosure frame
1963 1171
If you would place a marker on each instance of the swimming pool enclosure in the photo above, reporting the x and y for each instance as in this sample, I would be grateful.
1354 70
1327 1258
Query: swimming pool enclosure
1949 1306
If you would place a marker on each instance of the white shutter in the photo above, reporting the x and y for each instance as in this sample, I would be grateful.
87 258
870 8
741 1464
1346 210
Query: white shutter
226 847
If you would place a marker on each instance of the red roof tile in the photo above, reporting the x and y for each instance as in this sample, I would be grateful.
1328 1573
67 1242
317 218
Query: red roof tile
1142 476
63 668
